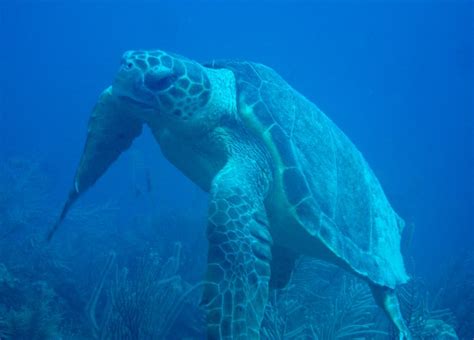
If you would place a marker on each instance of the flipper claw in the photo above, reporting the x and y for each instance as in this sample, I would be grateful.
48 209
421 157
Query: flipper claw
73 195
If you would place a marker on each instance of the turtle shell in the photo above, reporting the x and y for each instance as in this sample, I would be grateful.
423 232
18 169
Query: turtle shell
331 189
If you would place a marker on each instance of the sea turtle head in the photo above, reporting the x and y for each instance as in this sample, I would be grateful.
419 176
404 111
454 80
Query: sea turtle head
172 85
165 91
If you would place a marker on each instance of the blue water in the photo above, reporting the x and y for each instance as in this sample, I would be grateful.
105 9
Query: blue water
395 76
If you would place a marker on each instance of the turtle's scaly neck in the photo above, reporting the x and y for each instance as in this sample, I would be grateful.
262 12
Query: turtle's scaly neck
199 147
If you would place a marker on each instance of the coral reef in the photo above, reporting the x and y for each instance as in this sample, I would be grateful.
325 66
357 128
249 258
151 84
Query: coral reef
425 319
28 310
455 289
143 304
323 302
109 277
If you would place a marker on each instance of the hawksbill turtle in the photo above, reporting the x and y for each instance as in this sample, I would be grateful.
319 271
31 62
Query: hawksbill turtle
282 178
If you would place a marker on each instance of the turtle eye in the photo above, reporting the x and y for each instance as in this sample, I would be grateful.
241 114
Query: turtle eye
127 65
159 83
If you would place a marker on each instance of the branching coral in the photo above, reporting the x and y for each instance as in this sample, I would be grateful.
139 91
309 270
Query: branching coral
38 323
146 299
284 318
30 312
350 315
328 303
457 292
321 302
143 303
424 318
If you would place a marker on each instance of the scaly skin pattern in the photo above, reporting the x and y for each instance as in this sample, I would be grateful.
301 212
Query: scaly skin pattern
202 122
325 202
180 84
208 142
239 256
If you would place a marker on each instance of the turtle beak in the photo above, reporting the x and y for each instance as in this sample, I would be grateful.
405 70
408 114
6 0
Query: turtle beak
112 128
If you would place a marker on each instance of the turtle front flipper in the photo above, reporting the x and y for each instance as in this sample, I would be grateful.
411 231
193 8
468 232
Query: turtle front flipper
239 256
112 127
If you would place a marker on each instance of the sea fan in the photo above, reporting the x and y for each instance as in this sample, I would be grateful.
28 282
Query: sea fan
284 318
457 291
350 315
423 316
38 319
321 302
143 303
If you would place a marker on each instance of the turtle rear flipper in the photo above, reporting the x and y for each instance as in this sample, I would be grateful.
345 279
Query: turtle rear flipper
387 299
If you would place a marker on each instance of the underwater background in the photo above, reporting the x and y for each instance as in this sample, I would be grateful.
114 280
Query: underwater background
395 76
